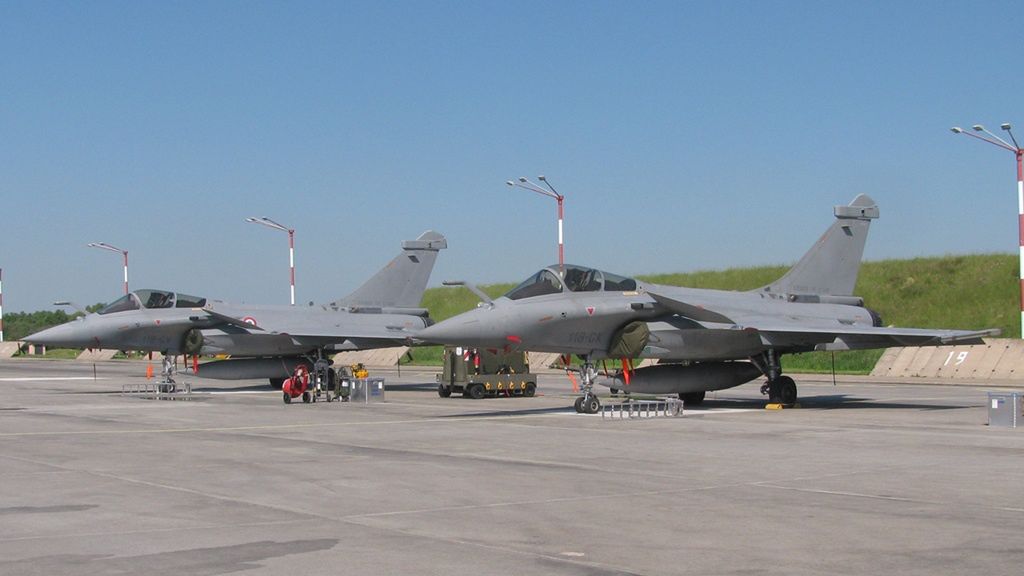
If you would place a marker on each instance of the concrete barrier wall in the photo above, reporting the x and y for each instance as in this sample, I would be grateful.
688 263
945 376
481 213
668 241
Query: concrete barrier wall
96 355
8 349
996 359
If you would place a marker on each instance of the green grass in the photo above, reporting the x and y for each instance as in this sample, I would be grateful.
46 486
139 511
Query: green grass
967 292
54 354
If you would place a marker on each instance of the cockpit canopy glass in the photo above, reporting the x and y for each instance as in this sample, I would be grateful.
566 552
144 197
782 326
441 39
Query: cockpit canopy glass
152 299
541 283
573 279
122 304
186 301
155 298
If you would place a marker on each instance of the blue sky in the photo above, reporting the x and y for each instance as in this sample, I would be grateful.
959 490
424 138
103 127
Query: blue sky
684 135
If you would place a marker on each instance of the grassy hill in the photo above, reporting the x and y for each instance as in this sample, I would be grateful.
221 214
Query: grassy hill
969 292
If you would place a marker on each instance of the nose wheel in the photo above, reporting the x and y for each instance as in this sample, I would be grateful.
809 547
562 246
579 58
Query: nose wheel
588 403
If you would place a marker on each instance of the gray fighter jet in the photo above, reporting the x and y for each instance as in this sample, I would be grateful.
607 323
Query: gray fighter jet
704 339
263 341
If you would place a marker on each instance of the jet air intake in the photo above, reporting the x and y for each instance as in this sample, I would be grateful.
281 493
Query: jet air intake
192 342
680 379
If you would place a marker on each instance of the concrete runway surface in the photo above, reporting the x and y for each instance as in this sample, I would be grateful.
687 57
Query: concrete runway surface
865 478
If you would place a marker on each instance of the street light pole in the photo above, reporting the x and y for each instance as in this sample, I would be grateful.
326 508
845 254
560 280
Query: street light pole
1 304
550 193
291 246
105 246
1019 153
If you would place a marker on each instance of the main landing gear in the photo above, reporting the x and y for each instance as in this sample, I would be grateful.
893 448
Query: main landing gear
588 403
779 389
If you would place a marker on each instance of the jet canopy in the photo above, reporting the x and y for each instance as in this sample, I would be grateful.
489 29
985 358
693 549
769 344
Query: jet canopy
151 299
573 279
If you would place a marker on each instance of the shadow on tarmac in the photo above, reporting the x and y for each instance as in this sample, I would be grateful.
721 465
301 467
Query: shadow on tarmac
834 402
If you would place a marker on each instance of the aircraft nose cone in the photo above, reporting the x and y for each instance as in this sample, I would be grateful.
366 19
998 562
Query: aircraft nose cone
450 331
467 329
64 335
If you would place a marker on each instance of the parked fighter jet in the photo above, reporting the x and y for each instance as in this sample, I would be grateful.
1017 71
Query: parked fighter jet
264 341
704 339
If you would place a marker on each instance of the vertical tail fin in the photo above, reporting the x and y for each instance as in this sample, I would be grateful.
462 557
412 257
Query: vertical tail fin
401 283
830 267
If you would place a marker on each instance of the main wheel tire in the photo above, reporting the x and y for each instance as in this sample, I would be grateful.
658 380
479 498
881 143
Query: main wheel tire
287 398
475 391
774 396
787 390
692 398
591 404
578 405
615 391
307 397
443 391
531 390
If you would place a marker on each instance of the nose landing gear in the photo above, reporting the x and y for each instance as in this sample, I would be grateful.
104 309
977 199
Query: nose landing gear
588 403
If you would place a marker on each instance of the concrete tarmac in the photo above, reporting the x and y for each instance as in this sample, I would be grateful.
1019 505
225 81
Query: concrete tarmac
865 478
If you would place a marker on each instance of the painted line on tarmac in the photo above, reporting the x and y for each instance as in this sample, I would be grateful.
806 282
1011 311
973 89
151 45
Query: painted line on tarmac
643 416
323 425
49 379
230 392
776 486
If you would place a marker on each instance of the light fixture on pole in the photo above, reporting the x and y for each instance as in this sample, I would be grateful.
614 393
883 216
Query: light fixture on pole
1019 153
105 246
291 246
550 193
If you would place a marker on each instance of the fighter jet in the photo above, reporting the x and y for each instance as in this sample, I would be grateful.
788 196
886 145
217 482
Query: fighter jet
703 339
264 341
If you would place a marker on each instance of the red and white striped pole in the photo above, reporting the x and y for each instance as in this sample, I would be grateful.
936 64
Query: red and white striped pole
561 244
105 246
1020 229
550 193
1 304
291 259
291 246
126 272
1019 152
